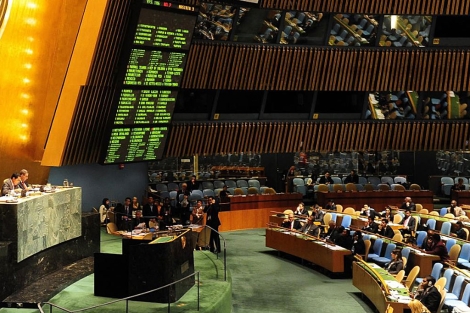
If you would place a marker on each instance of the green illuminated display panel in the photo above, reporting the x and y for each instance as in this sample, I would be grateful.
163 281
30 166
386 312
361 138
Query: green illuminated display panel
135 144
145 107
163 29
155 68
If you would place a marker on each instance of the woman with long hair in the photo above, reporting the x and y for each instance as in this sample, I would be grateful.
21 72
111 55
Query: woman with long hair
396 264
104 210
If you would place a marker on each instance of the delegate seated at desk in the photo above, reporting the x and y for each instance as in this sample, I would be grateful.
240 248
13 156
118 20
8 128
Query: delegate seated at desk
439 248
291 223
326 179
428 294
409 223
10 184
310 228
301 209
23 184
352 178
460 232
459 186
368 211
385 229
387 214
371 226
138 222
396 264
408 205
344 239
455 209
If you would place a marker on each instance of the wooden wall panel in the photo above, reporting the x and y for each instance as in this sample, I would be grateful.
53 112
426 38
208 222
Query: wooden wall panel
320 68
282 137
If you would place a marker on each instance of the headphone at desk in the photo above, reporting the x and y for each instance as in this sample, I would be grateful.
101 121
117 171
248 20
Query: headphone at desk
430 280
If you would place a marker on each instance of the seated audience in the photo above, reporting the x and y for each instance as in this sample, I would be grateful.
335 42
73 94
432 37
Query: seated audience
396 264
333 231
459 186
352 178
291 223
371 226
326 179
318 214
310 228
428 294
439 248
460 232
138 222
455 209
417 307
385 229
344 239
408 205
428 243
301 210
10 184
224 193
135 204
184 209
368 211
387 214
409 223
359 246
23 180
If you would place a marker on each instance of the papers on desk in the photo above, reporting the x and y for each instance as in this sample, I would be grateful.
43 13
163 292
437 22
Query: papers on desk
393 284
373 265
396 296
9 199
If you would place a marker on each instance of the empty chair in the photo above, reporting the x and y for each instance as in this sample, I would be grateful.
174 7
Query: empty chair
359 187
255 191
449 215
238 192
410 280
387 258
195 196
463 302
435 272
338 187
300 189
419 207
376 249
398 237
217 191
415 187
443 211
383 187
263 189
446 189
374 180
368 30
406 253
399 180
164 194
420 237
400 42
369 187
231 184
173 199
400 275
208 193
339 208
173 187
218 184
397 218
454 294
342 35
362 24
445 229
336 180
323 188
362 180
111 228
349 210
161 187
448 275
335 29
346 221
464 257
398 187
431 223
254 183
449 243
231 190
454 254
207 185
367 244
447 181
351 187
243 183
387 180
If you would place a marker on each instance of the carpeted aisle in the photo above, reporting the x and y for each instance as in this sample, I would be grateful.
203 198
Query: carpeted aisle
264 282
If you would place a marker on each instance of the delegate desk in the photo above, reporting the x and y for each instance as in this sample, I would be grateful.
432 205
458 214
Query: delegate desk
380 287
328 256
279 201
462 197
375 199
36 223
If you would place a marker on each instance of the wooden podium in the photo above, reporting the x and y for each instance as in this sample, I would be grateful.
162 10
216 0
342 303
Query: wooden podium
146 265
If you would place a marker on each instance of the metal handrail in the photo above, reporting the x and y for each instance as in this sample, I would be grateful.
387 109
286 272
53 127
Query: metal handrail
124 299
225 251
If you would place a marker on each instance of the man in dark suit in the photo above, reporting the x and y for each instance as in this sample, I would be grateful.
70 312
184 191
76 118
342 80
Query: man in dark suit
326 179
385 230
371 226
408 223
318 214
352 178
291 223
124 214
428 294
408 205
368 211
212 211
23 184
309 228
150 211
10 184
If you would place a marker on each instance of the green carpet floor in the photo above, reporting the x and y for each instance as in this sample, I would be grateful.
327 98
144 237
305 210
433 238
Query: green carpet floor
262 281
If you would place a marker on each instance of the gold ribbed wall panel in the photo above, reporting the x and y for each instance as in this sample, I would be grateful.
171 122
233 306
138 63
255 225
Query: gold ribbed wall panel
428 7
255 67
282 137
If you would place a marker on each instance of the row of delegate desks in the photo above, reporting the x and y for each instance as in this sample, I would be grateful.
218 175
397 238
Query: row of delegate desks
328 256
376 199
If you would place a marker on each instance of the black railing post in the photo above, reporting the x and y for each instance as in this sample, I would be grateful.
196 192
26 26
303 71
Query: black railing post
198 283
